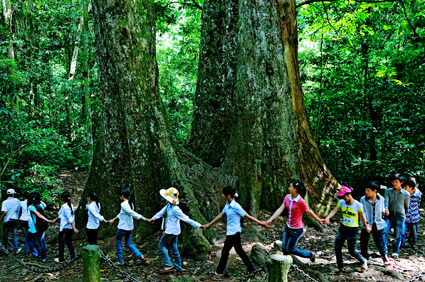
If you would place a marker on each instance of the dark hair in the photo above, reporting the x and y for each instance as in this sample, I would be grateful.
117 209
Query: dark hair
412 178
409 183
127 194
373 185
229 190
397 176
66 198
93 196
34 199
299 185
27 195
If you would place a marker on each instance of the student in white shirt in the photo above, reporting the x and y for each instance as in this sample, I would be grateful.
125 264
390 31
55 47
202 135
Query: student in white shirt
172 228
10 212
67 227
23 221
234 213
126 226
93 222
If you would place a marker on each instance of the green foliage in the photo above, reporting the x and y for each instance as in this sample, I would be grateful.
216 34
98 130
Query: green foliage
363 77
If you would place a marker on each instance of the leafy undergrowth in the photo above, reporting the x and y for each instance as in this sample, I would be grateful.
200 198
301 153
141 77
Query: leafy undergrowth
409 265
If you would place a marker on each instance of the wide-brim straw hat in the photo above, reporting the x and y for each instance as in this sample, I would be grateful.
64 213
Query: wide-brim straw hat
171 195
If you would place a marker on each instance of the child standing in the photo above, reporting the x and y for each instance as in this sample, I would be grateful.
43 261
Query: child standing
412 217
172 228
296 206
36 230
349 228
126 226
374 210
397 206
234 213
23 221
10 208
67 227
93 222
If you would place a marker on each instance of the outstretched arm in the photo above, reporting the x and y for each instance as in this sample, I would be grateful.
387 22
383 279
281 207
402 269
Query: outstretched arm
316 218
333 212
264 224
276 214
42 217
217 218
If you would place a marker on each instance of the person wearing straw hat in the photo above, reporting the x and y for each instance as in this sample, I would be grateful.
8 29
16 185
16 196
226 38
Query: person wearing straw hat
172 229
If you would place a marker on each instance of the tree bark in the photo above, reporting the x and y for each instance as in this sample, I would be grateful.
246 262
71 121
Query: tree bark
7 16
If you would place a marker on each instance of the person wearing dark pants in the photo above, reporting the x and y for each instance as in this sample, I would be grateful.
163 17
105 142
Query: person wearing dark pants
348 234
94 218
67 227
10 212
234 213
374 212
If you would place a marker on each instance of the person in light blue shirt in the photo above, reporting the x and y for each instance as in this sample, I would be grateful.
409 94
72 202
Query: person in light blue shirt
234 213
172 228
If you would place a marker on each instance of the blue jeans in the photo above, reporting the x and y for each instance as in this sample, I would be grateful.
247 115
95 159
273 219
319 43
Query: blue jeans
398 229
290 240
170 241
11 226
350 234
42 245
118 239
33 242
412 228
24 226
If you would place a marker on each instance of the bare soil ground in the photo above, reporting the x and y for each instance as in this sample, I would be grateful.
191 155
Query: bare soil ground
407 267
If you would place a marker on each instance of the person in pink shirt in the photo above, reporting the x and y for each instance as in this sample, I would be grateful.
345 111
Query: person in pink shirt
296 206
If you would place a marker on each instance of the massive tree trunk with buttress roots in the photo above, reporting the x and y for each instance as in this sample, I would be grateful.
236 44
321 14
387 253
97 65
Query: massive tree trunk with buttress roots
250 125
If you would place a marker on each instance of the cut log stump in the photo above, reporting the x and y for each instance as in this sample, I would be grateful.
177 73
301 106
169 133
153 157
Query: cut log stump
278 267
91 263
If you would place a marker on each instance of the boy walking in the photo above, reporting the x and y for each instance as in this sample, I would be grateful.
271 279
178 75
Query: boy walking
397 206
349 229
412 217
373 210
10 212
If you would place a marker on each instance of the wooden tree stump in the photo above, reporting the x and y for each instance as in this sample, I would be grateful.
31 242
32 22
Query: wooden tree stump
278 267
91 263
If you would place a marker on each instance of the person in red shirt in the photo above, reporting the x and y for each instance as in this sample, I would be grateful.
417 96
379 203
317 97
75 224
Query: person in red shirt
296 206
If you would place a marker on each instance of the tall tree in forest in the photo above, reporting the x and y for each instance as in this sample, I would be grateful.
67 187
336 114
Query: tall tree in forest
269 142
7 18
87 105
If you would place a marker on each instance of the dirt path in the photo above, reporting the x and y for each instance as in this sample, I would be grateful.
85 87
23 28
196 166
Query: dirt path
409 264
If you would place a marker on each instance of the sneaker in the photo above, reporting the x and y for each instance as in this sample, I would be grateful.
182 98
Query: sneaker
414 247
364 266
57 260
18 251
43 259
395 255
313 257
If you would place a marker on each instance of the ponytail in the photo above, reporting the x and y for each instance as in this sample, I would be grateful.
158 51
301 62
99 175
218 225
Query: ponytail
66 198
93 196
126 194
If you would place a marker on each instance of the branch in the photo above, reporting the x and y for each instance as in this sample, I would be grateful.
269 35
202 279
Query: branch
327 17
10 157
407 18
197 5
361 1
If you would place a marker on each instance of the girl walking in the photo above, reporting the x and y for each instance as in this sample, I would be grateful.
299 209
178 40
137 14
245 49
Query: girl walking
35 236
67 227
296 205
172 228
126 226
93 222
351 211
234 213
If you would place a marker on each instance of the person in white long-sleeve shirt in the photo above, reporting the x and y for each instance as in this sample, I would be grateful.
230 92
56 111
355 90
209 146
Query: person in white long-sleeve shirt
126 226
172 228
93 223
67 227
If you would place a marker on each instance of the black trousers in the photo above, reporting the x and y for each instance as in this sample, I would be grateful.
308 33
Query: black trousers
65 237
233 241
92 236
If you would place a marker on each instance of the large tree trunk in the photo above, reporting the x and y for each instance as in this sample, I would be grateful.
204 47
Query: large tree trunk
7 17
136 149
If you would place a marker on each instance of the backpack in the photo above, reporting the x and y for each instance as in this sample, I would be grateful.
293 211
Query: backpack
40 224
